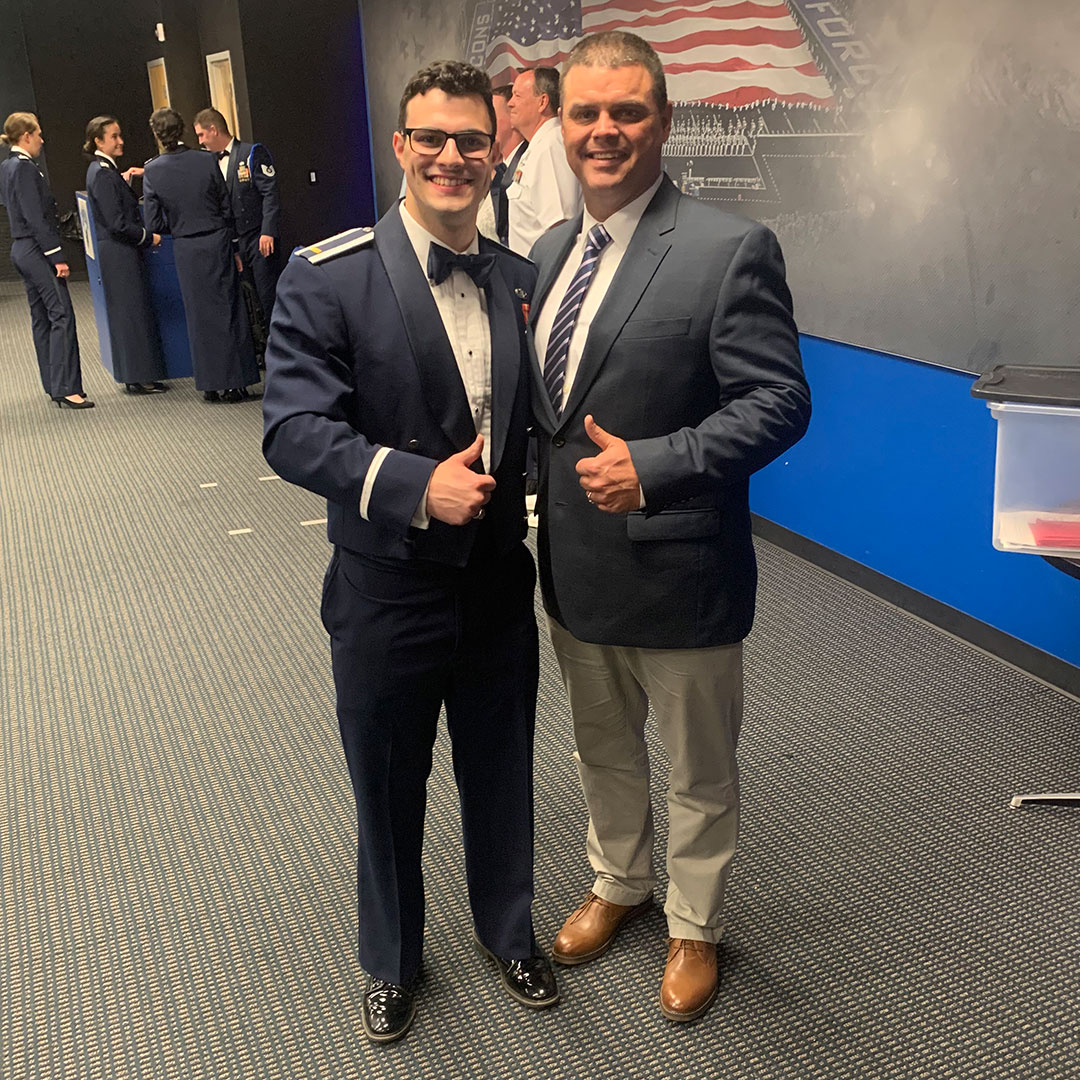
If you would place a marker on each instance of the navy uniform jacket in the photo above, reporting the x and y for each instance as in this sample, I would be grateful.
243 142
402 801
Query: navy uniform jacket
184 194
358 359
252 185
116 207
693 359
30 205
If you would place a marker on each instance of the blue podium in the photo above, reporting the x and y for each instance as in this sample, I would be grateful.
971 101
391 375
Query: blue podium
165 298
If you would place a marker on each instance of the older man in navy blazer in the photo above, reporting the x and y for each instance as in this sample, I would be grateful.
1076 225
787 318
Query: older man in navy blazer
668 371
397 387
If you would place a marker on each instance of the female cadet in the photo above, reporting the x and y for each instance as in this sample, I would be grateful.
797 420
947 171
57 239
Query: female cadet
119 233
184 194
36 254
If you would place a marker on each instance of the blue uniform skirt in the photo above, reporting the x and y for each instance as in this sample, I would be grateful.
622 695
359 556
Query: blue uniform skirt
219 334
133 330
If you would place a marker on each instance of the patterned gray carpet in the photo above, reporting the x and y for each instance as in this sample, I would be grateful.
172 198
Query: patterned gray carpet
176 825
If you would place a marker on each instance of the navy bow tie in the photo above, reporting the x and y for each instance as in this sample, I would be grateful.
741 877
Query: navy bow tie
222 154
442 261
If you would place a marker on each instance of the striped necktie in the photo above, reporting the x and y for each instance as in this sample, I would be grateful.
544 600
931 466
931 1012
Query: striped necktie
562 329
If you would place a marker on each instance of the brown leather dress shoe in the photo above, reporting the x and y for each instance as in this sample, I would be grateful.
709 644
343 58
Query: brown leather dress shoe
690 979
591 929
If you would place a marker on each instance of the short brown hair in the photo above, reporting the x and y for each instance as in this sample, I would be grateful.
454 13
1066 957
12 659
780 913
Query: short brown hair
615 49
210 117
17 125
168 127
96 130
455 79
546 81
504 91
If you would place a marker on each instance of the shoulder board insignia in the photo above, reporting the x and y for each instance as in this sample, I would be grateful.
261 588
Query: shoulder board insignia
332 246
267 170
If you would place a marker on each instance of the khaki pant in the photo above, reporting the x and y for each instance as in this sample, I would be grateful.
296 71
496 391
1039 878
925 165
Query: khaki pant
697 697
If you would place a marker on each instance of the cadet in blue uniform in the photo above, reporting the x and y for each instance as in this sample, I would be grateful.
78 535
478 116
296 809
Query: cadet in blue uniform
184 195
250 176
119 233
397 389
36 254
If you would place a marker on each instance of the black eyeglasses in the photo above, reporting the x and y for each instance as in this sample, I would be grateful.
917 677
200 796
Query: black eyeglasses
470 144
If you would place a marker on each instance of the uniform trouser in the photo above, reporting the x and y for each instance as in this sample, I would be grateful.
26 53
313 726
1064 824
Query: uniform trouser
52 319
696 695
405 641
264 272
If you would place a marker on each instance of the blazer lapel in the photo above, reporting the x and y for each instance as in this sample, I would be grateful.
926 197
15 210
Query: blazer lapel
434 359
505 357
548 272
646 251
230 171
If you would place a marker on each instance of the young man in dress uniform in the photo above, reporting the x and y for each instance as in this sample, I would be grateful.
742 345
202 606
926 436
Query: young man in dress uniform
397 387
250 176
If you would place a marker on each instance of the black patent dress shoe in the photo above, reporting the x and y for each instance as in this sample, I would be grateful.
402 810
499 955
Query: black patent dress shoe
233 395
387 1010
145 388
211 395
67 403
530 982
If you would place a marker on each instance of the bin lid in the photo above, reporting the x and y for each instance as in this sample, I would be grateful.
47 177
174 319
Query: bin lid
1035 385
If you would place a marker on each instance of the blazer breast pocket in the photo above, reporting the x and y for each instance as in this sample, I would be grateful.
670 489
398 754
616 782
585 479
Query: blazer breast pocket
655 328
673 525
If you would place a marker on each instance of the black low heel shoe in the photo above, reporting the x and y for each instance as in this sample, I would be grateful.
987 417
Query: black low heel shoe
64 403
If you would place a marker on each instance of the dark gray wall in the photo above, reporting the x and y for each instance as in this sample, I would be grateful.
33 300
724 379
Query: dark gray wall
960 239
218 23
399 39
314 118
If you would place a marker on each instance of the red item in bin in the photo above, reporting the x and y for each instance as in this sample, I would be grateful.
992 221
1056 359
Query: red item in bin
1064 534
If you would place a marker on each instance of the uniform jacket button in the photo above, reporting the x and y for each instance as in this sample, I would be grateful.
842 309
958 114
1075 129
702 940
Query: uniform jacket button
558 441
413 444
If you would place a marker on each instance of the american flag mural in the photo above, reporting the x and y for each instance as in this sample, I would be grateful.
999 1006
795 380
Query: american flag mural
733 53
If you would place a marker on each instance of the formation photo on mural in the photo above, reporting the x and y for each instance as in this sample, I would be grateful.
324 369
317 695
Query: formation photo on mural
906 153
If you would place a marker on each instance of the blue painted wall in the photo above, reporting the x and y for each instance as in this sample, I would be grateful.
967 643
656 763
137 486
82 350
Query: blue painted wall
897 473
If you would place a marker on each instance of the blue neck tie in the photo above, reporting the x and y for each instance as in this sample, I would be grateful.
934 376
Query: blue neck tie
562 329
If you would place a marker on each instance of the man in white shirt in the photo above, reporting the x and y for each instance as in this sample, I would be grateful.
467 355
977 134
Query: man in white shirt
511 147
397 388
543 191
667 371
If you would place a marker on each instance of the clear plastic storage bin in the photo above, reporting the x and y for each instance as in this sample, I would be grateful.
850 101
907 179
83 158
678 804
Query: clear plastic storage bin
1037 473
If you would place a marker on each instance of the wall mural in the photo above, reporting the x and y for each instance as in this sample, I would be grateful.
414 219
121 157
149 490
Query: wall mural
917 158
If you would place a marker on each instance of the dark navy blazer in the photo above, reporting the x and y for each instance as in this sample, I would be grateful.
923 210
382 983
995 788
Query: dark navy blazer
252 184
693 359
30 205
116 206
358 359
184 194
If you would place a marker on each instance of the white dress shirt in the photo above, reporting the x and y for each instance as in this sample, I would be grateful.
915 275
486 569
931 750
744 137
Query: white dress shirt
620 227
223 162
463 309
544 190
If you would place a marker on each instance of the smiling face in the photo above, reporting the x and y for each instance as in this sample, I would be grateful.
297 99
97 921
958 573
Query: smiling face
444 190
614 134
526 106
111 141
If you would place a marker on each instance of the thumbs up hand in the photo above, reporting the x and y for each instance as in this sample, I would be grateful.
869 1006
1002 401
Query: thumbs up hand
609 479
457 494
